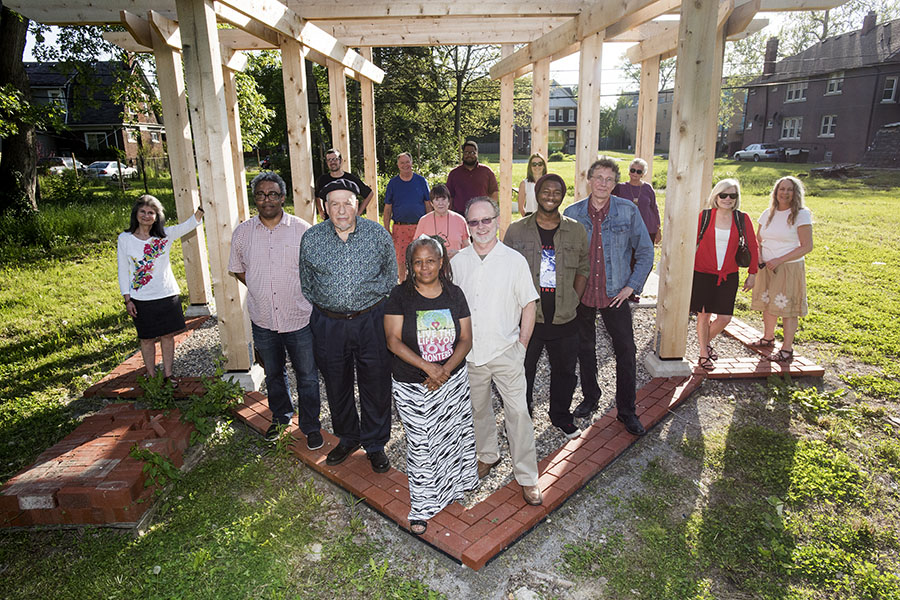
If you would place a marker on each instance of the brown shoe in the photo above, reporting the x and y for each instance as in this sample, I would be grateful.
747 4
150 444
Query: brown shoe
485 468
532 495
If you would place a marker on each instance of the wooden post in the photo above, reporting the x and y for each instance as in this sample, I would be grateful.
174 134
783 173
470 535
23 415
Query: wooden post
689 149
507 85
715 90
293 72
181 164
203 71
370 157
540 106
237 145
588 129
645 136
340 125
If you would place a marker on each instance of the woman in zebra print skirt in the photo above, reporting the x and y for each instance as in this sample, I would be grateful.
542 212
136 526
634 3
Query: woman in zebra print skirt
429 331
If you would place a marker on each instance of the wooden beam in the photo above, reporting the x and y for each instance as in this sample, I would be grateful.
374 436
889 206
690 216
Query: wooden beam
278 17
639 17
645 136
505 183
741 17
594 19
666 43
179 145
233 113
540 107
203 72
647 31
124 40
370 158
340 124
689 149
138 27
293 72
590 74
360 9
715 93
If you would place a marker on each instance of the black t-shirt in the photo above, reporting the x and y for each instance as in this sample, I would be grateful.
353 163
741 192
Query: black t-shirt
326 178
430 327
547 279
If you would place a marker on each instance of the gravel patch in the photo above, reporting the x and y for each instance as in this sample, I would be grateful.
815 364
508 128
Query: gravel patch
196 356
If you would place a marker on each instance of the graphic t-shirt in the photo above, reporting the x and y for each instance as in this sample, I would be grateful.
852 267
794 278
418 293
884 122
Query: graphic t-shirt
547 276
430 327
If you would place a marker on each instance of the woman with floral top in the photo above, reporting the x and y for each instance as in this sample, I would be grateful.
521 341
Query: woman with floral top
147 283
785 236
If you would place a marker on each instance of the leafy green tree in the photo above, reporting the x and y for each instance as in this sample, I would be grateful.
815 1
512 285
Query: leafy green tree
802 29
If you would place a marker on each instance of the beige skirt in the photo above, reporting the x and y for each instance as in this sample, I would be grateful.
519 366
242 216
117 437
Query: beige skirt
782 293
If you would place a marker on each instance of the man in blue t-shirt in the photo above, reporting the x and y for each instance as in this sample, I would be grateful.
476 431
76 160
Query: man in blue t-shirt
406 200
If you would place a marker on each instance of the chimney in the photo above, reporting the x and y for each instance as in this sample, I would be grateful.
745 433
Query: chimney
771 57
869 22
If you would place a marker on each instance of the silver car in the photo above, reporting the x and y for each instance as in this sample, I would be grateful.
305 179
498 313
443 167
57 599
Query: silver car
758 152
109 169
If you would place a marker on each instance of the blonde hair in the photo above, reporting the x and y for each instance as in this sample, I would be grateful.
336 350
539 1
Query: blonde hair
796 199
713 200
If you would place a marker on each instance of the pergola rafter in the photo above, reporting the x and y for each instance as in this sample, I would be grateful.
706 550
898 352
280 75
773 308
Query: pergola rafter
325 31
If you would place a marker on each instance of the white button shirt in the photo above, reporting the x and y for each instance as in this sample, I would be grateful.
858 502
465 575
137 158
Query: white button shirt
497 288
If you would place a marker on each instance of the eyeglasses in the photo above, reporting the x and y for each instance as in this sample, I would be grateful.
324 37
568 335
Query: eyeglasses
263 196
484 221
733 196
638 171
470 152
537 164
606 180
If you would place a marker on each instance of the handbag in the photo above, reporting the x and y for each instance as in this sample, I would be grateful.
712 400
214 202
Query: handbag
742 256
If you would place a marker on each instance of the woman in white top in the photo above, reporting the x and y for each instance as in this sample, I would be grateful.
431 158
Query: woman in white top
147 283
785 236
537 168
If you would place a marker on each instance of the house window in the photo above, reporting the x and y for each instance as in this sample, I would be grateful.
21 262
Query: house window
656 138
835 83
553 116
790 129
154 137
796 92
95 141
829 123
57 97
890 89
131 135
571 114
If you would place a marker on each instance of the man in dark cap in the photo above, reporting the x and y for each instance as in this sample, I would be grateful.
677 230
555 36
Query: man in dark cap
347 269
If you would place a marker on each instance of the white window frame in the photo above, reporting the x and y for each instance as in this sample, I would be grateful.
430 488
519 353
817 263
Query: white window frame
553 116
99 137
890 84
154 137
828 126
835 85
796 91
791 128
570 113
131 136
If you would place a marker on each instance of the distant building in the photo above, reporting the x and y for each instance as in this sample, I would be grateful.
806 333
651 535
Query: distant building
832 98
92 128
563 119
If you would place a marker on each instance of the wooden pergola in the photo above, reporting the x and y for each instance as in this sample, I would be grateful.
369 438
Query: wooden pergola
204 137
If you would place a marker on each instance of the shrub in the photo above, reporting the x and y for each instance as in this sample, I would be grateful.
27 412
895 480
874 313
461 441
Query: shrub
68 188
556 157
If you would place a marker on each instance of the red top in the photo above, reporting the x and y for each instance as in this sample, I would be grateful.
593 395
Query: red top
705 259
464 185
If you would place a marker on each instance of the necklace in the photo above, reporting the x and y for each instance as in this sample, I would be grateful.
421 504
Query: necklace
444 235
631 191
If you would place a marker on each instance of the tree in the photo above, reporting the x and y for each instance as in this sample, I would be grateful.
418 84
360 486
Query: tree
802 29
743 63
666 72
462 67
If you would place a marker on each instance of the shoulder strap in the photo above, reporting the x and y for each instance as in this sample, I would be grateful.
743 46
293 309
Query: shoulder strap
739 221
706 215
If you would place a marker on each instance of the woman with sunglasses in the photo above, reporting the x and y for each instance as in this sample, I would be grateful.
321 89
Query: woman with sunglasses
537 168
715 266
785 235
644 196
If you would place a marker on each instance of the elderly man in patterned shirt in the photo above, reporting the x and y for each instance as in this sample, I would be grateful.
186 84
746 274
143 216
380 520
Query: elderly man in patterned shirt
264 253
347 269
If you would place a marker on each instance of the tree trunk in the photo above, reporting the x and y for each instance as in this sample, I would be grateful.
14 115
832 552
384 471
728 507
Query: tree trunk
18 164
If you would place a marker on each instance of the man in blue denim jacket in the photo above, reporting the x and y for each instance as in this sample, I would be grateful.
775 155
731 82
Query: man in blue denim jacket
614 228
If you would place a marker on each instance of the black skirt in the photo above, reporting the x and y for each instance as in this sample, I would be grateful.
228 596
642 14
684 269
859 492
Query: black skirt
708 297
156 318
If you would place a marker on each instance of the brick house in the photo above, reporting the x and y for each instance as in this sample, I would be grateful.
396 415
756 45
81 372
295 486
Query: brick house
563 118
832 98
93 130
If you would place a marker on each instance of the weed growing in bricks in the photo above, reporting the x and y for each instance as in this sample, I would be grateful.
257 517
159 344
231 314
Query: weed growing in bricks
219 398
159 469
159 393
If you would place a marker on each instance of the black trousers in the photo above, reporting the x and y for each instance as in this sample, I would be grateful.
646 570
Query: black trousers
620 328
348 347
563 355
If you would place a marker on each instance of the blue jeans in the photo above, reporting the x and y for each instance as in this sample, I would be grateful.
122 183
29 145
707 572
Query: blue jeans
298 345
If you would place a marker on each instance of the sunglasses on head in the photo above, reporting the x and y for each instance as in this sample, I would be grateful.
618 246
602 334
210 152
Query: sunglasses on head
638 171
484 221
732 195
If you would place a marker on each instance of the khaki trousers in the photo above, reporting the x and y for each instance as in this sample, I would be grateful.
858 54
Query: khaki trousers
507 371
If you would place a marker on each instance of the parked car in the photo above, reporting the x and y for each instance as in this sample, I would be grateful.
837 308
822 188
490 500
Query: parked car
55 165
108 169
758 152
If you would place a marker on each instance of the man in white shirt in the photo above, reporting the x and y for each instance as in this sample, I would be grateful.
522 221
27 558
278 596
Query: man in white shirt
265 256
498 287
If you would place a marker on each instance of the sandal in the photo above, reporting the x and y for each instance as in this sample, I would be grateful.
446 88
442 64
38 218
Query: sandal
782 356
418 527
712 352
763 343
705 362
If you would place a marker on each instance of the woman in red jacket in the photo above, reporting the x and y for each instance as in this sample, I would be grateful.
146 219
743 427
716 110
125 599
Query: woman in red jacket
715 266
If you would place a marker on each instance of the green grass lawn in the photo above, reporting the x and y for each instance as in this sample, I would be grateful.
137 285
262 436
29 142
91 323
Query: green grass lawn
799 491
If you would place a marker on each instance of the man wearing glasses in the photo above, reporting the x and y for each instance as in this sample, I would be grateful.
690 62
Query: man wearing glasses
498 287
470 179
264 256
334 161
614 230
